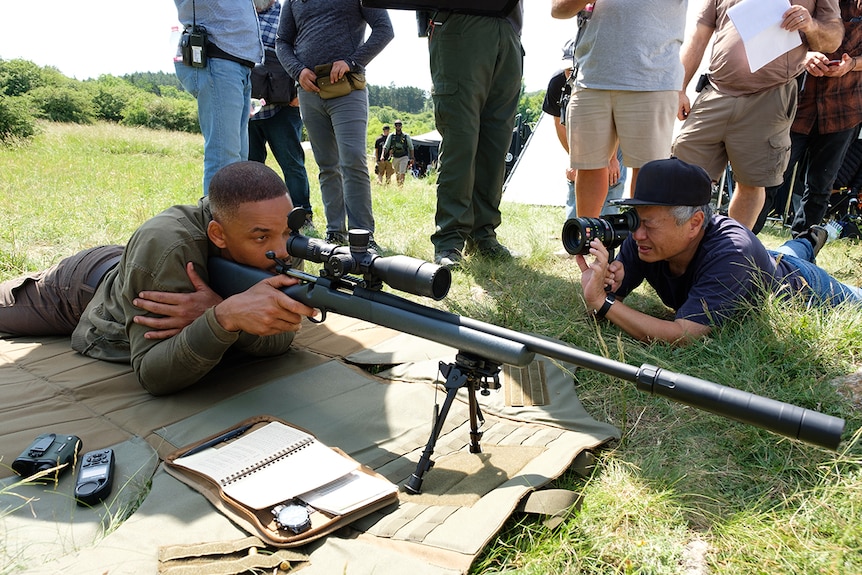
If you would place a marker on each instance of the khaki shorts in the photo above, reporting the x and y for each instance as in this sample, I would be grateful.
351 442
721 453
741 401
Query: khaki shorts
642 121
751 132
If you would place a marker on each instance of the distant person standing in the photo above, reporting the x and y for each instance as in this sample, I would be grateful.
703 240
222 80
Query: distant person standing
399 147
332 33
280 124
221 81
384 166
476 68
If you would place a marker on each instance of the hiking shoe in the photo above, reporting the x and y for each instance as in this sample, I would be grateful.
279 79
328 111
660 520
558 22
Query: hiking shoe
375 247
308 226
817 235
496 251
448 258
336 238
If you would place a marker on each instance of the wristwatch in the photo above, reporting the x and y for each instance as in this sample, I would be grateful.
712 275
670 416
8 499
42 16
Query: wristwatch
292 517
610 298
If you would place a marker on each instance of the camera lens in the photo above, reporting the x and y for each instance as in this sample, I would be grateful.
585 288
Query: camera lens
611 230
579 232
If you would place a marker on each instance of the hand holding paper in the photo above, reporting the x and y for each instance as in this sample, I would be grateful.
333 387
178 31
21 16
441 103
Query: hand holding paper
759 25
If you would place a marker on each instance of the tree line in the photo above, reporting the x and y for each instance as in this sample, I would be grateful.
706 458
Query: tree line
157 100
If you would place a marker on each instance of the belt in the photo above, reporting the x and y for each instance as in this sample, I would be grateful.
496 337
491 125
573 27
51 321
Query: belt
214 51
95 276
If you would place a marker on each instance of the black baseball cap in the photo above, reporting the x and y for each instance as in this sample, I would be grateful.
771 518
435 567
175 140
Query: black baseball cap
670 182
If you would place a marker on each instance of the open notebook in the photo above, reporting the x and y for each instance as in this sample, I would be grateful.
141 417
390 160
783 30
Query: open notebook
277 462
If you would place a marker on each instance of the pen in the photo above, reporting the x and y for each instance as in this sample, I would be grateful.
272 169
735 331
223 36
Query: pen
233 433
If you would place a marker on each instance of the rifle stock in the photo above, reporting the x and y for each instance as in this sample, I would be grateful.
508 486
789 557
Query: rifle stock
503 345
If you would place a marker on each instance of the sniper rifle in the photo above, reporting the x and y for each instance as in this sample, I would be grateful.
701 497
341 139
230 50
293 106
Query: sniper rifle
484 347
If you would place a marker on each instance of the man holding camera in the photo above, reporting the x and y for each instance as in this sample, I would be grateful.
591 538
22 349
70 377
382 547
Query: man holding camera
707 268
149 303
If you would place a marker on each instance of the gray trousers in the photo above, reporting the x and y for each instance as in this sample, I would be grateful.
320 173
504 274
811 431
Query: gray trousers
51 302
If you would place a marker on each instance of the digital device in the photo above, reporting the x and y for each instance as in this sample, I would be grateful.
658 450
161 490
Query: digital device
833 62
48 451
95 477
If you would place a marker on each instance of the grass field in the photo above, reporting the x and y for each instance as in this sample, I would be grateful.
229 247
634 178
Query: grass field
683 491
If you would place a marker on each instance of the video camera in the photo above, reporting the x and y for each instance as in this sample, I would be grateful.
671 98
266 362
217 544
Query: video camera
47 451
611 230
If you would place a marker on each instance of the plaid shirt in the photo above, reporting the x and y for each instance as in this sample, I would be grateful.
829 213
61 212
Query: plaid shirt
833 103
268 28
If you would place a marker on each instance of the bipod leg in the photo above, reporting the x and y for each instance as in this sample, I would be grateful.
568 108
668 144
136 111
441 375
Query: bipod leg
455 379
476 419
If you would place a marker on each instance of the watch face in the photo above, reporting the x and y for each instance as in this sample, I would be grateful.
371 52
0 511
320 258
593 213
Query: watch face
293 517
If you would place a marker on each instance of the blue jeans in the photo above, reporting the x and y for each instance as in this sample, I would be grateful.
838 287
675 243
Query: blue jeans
337 129
615 192
223 92
284 134
821 286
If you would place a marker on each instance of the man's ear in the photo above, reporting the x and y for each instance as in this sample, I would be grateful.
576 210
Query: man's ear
696 222
215 232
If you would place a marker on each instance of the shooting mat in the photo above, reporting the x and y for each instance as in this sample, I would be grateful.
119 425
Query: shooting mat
532 434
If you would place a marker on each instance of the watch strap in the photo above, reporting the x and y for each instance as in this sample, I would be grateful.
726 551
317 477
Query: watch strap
600 313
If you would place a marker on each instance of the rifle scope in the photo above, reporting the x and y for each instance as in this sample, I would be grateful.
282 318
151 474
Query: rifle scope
404 273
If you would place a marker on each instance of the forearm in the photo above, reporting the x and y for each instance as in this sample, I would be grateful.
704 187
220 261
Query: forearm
563 9
692 51
561 132
178 362
824 36
648 328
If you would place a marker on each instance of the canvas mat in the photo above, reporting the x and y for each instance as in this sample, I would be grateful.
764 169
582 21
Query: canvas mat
383 422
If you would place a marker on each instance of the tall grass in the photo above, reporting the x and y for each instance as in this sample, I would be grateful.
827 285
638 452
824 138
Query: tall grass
683 491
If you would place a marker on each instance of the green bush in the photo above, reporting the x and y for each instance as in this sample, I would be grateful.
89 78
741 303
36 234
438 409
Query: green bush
16 119
67 102
178 114
111 95
17 77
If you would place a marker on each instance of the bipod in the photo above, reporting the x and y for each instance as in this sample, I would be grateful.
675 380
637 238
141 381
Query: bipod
472 372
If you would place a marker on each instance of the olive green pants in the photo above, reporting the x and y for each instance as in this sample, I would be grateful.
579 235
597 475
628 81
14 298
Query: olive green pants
476 68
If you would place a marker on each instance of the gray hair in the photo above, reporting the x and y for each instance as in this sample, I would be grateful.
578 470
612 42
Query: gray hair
684 213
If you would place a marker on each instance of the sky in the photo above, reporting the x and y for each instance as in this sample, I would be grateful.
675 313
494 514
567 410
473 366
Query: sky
85 39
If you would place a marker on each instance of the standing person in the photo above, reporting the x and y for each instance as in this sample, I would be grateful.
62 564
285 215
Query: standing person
332 32
825 124
474 109
626 89
280 124
556 99
384 166
400 147
742 116
221 82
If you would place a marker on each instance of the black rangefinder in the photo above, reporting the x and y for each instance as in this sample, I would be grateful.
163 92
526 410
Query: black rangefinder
47 451
611 230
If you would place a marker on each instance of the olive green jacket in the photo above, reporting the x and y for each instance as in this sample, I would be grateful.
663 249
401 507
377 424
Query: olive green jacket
155 259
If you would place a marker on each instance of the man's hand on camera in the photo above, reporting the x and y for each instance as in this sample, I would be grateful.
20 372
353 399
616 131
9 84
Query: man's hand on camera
264 309
598 274
175 310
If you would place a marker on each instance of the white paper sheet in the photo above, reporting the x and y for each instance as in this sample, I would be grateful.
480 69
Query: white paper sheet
759 25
